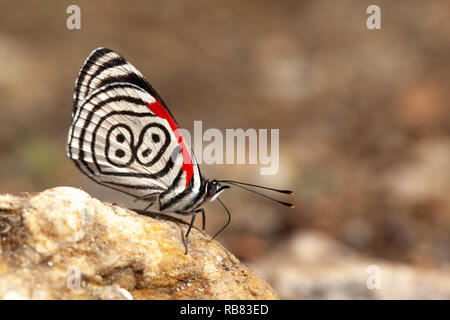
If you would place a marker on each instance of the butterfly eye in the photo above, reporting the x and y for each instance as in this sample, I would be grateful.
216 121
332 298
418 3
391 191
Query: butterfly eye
118 144
153 141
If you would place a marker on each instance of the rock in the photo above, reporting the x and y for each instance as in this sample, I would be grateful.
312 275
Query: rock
311 265
64 244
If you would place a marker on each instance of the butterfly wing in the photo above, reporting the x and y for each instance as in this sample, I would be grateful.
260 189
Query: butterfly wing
123 135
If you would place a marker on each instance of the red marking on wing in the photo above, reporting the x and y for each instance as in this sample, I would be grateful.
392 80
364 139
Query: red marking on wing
161 112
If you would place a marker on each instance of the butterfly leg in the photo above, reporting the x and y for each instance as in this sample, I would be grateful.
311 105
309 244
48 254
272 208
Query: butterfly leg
159 215
150 198
203 217
191 224
148 206
188 231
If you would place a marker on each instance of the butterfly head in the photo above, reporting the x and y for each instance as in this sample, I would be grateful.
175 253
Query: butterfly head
213 189
217 186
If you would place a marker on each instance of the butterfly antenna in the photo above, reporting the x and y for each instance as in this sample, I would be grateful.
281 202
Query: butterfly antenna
287 204
257 186
226 224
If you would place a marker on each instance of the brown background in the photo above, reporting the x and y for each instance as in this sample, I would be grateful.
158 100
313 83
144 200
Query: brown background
364 115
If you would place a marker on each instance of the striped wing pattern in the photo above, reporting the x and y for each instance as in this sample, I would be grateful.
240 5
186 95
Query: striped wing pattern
123 136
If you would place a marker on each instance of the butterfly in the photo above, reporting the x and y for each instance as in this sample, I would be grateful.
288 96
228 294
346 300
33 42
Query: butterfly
123 136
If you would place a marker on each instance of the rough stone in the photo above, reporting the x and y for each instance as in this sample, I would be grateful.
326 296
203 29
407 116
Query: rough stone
63 244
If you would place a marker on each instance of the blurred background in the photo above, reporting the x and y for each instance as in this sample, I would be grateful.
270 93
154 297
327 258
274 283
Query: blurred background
364 121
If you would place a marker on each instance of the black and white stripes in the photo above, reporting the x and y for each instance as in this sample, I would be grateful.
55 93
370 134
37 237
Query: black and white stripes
117 139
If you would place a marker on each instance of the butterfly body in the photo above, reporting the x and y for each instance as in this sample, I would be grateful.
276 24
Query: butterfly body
123 136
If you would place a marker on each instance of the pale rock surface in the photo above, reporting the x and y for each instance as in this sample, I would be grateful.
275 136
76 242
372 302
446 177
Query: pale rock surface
63 244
